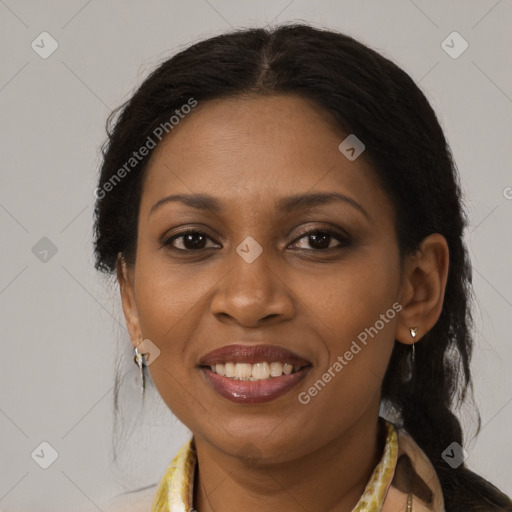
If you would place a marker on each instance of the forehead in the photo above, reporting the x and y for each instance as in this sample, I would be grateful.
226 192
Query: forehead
257 148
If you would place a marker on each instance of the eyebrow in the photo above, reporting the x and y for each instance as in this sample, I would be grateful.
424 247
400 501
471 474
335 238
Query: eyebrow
284 205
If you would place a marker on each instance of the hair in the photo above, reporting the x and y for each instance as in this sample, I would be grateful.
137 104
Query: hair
363 93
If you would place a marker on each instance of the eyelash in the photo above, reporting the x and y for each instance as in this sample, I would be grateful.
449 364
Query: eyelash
343 240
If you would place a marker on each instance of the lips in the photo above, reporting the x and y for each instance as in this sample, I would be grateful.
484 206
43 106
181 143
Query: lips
259 391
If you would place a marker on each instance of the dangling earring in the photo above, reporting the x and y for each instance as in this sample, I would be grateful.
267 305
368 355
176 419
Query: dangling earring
414 332
139 361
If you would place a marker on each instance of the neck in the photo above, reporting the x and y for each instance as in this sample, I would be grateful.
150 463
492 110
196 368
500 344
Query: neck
316 481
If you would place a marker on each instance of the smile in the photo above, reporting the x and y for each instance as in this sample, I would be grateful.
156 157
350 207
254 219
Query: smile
253 374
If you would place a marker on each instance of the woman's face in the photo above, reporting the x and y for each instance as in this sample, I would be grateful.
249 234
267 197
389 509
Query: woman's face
250 276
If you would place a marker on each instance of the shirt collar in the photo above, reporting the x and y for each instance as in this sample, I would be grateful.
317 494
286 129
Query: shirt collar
176 489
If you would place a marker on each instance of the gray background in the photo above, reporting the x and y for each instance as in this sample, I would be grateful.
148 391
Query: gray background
62 328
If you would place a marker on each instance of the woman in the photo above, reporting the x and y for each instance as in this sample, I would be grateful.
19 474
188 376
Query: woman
284 219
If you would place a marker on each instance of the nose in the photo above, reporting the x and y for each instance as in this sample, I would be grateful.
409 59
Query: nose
252 294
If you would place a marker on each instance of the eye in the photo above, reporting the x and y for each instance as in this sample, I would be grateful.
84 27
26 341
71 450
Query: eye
190 240
321 239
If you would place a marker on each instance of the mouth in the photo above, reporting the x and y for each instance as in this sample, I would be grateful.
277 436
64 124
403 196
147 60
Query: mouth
253 374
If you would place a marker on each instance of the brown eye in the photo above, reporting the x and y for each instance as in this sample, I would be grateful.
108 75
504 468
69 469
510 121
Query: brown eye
322 239
189 240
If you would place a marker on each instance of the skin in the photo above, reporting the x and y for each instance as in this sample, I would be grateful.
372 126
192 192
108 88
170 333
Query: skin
248 153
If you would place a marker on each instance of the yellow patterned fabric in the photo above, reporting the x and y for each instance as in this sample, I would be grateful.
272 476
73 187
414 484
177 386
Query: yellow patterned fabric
377 487
387 489
175 491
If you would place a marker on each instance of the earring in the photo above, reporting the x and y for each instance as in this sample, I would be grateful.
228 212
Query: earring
414 332
139 361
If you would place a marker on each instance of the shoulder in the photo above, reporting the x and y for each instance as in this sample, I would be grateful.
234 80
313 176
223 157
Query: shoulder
461 490
140 500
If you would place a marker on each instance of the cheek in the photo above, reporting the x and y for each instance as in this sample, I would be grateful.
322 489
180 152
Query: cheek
354 311
168 307
167 297
169 304
348 378
352 296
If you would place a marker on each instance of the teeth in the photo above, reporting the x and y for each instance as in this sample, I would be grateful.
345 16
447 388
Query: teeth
257 371
260 371
276 369
287 368
243 370
229 369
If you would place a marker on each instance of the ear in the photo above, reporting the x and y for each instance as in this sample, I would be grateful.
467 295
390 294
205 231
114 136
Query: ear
126 286
423 288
